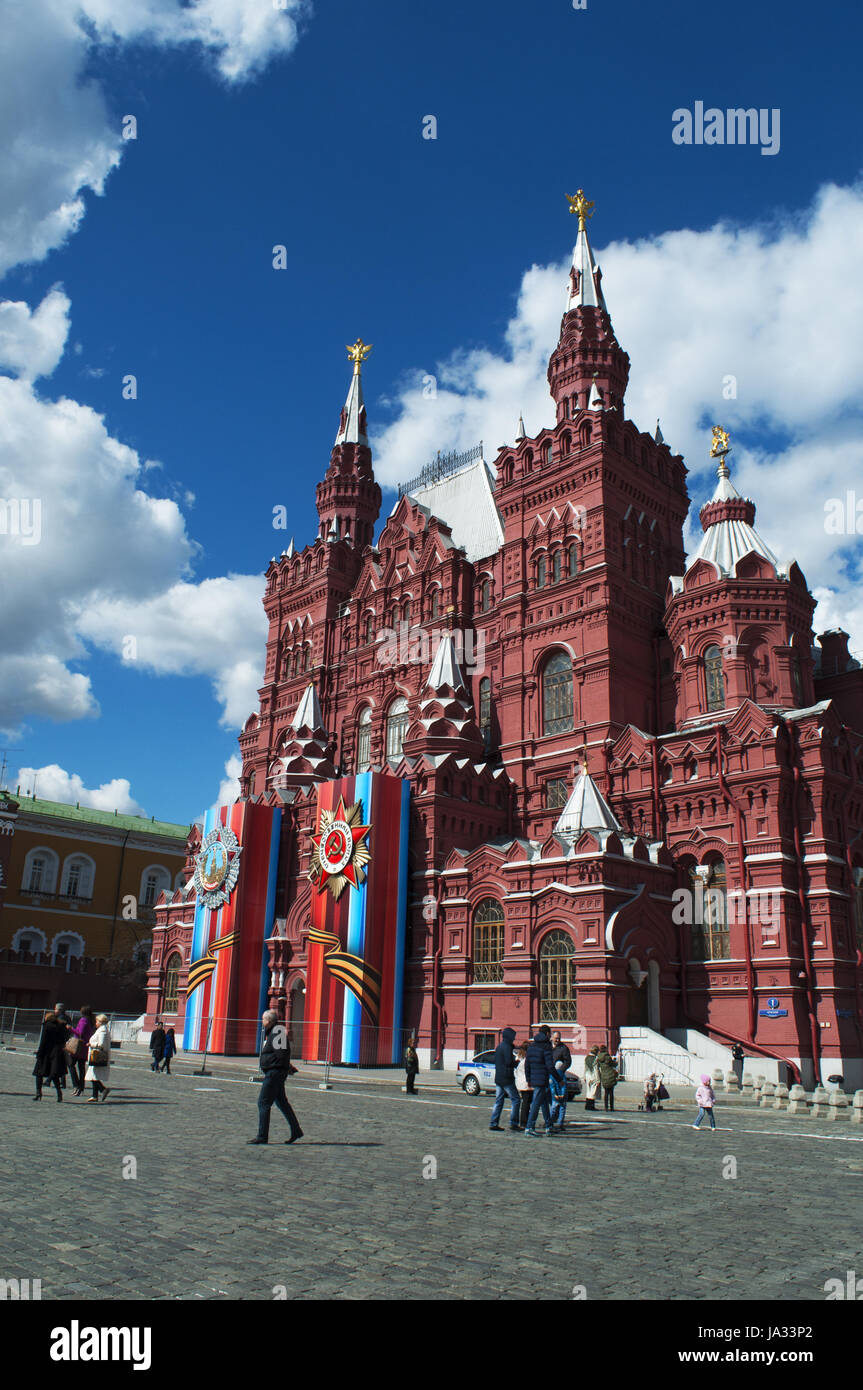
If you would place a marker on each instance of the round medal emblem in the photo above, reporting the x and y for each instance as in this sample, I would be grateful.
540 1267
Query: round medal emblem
337 847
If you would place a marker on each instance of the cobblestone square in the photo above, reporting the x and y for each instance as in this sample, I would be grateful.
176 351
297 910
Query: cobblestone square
622 1207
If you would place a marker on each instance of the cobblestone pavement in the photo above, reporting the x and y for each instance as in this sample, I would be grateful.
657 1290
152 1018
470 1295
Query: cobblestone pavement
629 1207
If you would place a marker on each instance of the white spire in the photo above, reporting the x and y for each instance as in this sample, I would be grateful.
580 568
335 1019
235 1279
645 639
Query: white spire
520 432
308 715
586 809
352 431
584 283
659 437
595 402
728 539
445 668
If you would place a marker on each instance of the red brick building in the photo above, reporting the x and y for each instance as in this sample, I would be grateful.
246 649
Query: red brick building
516 624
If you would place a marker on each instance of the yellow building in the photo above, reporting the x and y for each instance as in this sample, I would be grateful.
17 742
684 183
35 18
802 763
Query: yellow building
79 886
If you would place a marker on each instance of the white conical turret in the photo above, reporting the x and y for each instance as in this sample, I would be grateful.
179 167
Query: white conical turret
586 809
585 277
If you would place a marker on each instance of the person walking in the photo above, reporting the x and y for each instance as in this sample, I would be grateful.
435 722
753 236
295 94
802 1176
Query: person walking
539 1064
83 1032
157 1045
562 1063
99 1061
592 1083
737 1058
412 1067
169 1050
525 1092
50 1056
608 1075
275 1063
705 1100
504 1080
65 1023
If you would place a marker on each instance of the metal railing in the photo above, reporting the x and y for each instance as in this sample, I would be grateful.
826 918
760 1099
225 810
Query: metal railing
18 1027
442 466
636 1064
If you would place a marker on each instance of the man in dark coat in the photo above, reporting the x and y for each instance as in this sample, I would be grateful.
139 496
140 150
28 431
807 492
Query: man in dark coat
412 1066
275 1063
50 1056
504 1080
157 1045
539 1064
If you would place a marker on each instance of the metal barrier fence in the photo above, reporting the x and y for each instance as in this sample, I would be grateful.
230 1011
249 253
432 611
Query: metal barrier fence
24 1025
331 1043
636 1064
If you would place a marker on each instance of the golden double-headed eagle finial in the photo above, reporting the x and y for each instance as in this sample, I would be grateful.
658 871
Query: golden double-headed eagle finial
358 353
720 446
578 203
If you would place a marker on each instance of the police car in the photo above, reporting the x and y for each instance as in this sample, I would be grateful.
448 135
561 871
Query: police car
478 1075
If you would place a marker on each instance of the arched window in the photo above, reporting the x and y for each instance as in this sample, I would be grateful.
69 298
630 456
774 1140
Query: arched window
485 710
485 596
65 945
573 559
307 658
546 451
488 943
31 940
557 978
797 679
364 740
369 627
397 727
172 983
40 871
153 880
713 682
541 571
710 936
406 611
78 877
556 567
557 694
435 603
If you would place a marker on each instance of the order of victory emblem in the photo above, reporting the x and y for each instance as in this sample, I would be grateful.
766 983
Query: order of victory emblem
339 851
217 867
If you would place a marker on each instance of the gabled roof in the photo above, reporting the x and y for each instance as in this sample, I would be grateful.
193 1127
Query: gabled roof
465 502
586 809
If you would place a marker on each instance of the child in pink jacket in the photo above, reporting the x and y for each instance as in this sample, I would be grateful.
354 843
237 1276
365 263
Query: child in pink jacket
705 1100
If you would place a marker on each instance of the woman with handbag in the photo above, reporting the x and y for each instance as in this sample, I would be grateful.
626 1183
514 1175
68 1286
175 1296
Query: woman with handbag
76 1047
50 1057
99 1066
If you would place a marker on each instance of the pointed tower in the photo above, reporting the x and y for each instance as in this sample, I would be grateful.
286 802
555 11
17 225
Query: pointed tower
446 723
349 499
738 619
307 753
586 809
588 369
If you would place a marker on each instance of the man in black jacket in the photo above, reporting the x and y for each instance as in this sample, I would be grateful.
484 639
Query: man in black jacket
275 1063
539 1064
504 1080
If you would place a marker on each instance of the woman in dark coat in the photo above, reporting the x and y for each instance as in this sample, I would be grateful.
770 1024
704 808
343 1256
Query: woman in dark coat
50 1057
412 1066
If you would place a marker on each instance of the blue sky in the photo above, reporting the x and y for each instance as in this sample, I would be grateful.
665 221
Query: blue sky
419 246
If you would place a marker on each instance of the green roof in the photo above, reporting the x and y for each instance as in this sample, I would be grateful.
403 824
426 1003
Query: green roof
92 817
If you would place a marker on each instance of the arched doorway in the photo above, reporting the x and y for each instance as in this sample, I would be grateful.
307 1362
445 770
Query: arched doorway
636 997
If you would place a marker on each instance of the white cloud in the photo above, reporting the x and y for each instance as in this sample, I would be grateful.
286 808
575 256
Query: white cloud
53 783
106 562
229 787
32 342
777 307
216 628
58 138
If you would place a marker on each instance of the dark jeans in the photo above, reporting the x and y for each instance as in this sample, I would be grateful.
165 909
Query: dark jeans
166 1065
77 1067
609 1097
540 1101
410 1078
503 1093
156 1062
273 1093
526 1098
